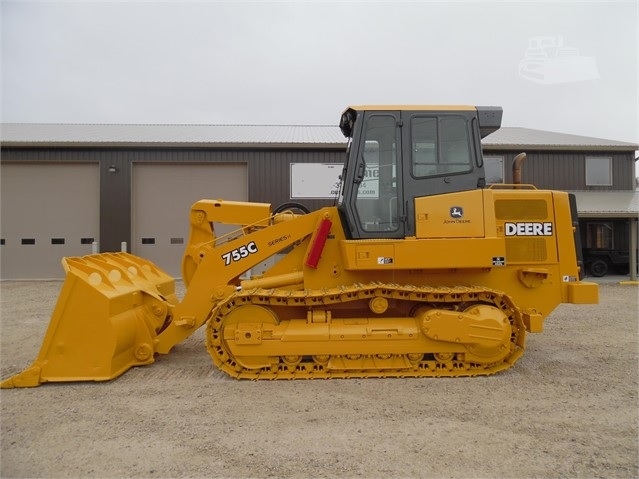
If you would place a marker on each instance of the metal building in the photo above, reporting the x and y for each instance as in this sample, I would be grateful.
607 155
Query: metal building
64 187
67 186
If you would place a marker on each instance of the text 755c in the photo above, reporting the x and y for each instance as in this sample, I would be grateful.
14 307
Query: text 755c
239 253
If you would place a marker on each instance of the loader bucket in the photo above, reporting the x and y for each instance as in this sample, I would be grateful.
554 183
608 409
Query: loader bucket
111 308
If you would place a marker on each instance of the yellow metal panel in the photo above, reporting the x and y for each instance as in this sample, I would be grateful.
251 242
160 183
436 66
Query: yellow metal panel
421 253
456 215
525 218
234 212
583 293
368 256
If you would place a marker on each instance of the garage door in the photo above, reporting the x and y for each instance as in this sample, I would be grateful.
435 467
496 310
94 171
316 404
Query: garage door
48 211
162 198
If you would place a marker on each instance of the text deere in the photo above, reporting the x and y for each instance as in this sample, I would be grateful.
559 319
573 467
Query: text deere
528 229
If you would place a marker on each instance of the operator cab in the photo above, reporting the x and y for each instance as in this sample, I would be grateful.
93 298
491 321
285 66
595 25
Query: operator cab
399 153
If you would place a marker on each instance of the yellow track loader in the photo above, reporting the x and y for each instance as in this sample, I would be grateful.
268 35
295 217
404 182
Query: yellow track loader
420 269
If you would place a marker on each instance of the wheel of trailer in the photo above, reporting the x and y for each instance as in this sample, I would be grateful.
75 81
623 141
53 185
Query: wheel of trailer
599 268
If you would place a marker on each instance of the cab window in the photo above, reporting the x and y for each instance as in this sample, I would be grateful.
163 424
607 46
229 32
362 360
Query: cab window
440 146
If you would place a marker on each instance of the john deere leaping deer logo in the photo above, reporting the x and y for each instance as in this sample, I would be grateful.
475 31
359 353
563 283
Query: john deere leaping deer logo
456 212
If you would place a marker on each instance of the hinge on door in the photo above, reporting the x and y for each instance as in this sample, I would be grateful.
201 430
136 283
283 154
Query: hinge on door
404 218
400 123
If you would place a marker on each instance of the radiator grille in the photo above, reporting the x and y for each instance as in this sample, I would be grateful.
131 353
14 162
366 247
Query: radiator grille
521 209
526 250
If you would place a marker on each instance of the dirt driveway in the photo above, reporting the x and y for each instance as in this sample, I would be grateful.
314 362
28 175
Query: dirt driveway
568 408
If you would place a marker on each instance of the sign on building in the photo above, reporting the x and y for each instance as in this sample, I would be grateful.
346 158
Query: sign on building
315 180
321 181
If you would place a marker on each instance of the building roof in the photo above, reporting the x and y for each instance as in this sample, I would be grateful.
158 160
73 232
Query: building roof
514 138
219 136
608 204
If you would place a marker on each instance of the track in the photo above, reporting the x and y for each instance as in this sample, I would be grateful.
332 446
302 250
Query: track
410 331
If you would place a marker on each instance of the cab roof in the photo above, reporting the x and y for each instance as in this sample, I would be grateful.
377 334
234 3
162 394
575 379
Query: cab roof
412 107
489 116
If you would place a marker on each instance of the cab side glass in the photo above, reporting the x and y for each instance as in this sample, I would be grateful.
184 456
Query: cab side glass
440 146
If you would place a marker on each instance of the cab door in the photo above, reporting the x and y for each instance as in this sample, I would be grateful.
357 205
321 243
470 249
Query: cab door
373 192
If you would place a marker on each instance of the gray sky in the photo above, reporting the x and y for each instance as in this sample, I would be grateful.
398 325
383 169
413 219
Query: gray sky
303 62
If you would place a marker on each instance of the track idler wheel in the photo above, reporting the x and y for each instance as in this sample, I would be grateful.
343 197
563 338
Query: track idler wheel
481 331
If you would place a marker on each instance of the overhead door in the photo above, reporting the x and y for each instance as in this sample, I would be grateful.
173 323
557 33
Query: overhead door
48 211
162 198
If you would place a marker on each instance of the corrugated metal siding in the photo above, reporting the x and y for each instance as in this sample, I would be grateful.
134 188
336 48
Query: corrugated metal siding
546 170
566 170
268 172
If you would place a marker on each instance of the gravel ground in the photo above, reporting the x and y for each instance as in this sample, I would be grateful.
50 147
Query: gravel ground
568 408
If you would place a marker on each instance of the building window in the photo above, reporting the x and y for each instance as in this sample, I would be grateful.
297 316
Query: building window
599 235
494 167
598 171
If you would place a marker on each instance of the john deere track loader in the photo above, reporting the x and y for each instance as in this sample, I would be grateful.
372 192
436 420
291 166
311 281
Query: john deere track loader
419 269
